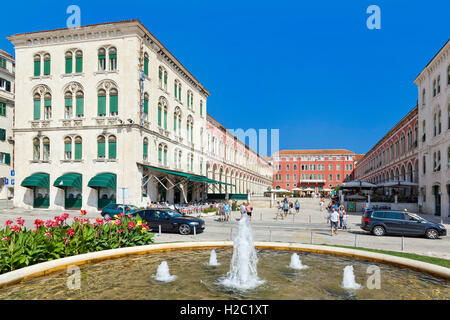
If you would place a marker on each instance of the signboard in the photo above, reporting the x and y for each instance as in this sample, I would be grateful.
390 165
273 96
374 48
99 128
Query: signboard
6 181
13 173
122 193
12 182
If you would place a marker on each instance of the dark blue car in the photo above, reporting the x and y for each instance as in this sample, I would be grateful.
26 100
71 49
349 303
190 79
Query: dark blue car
383 222
171 221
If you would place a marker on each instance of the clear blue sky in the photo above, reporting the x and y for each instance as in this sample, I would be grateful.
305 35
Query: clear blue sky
311 69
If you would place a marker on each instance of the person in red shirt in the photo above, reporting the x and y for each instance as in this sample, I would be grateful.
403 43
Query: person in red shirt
249 210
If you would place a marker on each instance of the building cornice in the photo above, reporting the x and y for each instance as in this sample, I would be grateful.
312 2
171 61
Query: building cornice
440 56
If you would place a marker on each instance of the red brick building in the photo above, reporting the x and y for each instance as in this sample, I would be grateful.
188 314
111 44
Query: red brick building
312 171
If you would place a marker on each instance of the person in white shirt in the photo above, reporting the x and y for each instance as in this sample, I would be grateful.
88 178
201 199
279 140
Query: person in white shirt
243 210
334 218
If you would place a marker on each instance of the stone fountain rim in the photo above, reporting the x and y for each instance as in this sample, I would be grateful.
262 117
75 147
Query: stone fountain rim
48 267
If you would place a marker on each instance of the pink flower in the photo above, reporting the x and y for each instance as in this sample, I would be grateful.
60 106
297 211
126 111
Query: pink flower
5 238
49 223
15 228
120 230
20 221
70 232
8 223
83 212
66 240
48 234
76 219
99 221
38 223
116 222
131 225
64 216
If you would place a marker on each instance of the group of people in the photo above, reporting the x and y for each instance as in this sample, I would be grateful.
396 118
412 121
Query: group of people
337 217
225 211
286 207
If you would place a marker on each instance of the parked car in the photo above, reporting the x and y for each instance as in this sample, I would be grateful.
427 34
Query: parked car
400 223
171 221
112 209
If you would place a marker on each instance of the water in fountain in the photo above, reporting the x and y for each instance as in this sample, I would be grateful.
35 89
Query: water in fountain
243 274
162 274
213 259
349 279
296 263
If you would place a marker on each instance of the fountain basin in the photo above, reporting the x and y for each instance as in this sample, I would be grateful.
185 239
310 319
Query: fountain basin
47 268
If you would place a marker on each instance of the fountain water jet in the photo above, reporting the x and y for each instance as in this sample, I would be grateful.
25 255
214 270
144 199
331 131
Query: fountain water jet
162 274
243 274
349 279
296 263
213 259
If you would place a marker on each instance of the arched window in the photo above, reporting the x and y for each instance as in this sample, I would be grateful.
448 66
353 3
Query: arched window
46 149
101 99
177 121
68 105
434 124
162 78
448 116
190 99
36 149
79 61
439 122
68 148
201 108
112 147
112 58
37 106
145 149
190 129
47 106
37 65
69 62
101 152
78 148
113 102
438 84
146 106
434 88
423 96
46 64
162 111
101 59
162 154
146 64
79 104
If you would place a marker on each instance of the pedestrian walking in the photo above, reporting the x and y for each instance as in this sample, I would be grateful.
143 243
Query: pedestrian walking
291 207
334 219
279 210
297 206
227 211
249 210
243 210
344 220
341 209
285 209
321 204
221 212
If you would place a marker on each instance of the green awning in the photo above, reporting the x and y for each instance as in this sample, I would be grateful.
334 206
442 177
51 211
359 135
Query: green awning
192 177
104 180
73 180
41 180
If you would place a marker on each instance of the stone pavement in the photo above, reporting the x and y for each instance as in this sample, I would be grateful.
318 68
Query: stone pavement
311 222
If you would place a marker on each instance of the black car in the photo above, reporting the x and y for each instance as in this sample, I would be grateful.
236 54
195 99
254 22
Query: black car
170 221
400 223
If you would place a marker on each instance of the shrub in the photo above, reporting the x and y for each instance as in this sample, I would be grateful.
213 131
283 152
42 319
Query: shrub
210 210
54 239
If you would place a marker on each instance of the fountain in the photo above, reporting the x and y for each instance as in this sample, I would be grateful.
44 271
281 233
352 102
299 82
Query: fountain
213 259
349 279
296 263
162 274
243 274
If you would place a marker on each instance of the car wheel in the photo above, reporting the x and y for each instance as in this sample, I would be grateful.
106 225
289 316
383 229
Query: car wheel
106 216
184 229
432 234
378 231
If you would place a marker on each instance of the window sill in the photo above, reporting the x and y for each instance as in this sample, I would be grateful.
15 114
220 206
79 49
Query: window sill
71 75
105 160
106 72
72 161
41 77
40 161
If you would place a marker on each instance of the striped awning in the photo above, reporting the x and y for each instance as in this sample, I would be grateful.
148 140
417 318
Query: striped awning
41 180
73 180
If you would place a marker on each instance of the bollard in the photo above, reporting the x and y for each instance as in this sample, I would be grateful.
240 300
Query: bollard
195 231
356 240
159 229
231 233
270 234
403 243
312 238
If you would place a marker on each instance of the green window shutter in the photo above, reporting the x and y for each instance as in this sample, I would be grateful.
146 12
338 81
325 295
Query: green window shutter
192 134
67 147
165 120
113 104
145 150
188 100
100 149
111 150
165 80
201 109
2 134
113 56
165 158
179 93
78 151
146 67
79 64
179 125
46 67
2 62
7 158
101 105
68 102
145 106
175 89
159 117
175 124
159 155
160 74
80 106
37 68
8 86
2 109
68 65
37 109
47 102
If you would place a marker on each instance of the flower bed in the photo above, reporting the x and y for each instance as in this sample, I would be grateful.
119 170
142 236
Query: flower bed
54 239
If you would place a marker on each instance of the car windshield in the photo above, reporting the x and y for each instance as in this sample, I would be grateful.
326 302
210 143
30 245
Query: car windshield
134 208
173 214
413 216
